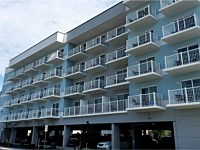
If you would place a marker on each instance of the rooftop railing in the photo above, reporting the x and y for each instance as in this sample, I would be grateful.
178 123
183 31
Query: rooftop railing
76 50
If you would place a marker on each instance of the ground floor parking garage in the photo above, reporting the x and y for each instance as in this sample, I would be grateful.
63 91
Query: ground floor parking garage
151 135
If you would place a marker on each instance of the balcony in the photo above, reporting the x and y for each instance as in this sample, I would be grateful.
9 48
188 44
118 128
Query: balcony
18 88
27 84
53 75
117 35
142 44
97 45
10 90
185 98
134 3
12 77
33 115
77 53
117 81
11 102
56 57
94 87
74 91
181 30
50 113
146 102
95 65
174 7
117 58
183 62
19 73
75 72
25 99
37 97
38 80
104 108
52 94
23 116
30 69
41 64
144 72
141 18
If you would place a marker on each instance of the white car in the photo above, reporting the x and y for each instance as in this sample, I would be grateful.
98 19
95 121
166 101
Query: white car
104 145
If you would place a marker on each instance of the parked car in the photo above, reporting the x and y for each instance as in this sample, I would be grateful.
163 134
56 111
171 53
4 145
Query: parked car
104 145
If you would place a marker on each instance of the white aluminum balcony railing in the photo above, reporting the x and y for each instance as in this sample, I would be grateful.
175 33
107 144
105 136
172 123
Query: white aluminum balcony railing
97 41
73 89
50 112
25 98
76 50
165 3
19 71
139 14
116 79
53 73
99 108
27 82
143 68
22 116
34 114
145 100
51 92
182 58
120 53
141 40
38 78
184 95
29 67
94 62
181 25
41 61
54 55
11 75
75 69
95 84
116 32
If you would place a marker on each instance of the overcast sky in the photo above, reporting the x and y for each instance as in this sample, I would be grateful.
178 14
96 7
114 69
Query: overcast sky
23 23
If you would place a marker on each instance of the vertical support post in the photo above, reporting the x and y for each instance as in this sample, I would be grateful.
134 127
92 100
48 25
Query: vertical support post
133 137
13 135
115 136
34 136
66 135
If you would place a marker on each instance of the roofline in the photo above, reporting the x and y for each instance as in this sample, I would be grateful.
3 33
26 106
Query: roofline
94 17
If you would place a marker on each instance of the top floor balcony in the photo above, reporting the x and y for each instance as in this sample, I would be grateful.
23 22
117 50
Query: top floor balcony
182 29
117 35
142 44
174 7
97 45
77 53
184 98
19 73
94 86
53 75
117 58
141 18
95 65
56 57
146 102
30 68
144 72
41 64
11 76
117 81
75 72
134 3
183 62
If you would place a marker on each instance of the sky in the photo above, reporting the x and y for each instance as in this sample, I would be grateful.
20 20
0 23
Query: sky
23 23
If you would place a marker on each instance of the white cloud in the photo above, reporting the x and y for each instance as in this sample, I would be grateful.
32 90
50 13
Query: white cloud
24 23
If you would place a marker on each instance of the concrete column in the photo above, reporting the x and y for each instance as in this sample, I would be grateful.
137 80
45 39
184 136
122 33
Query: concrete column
133 137
34 135
66 135
13 135
115 136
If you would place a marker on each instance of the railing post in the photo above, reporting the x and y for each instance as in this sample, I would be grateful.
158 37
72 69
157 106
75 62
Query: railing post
186 95
140 100
139 69
154 98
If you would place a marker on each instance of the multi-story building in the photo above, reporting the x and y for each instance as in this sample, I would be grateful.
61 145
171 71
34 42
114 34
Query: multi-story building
133 72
